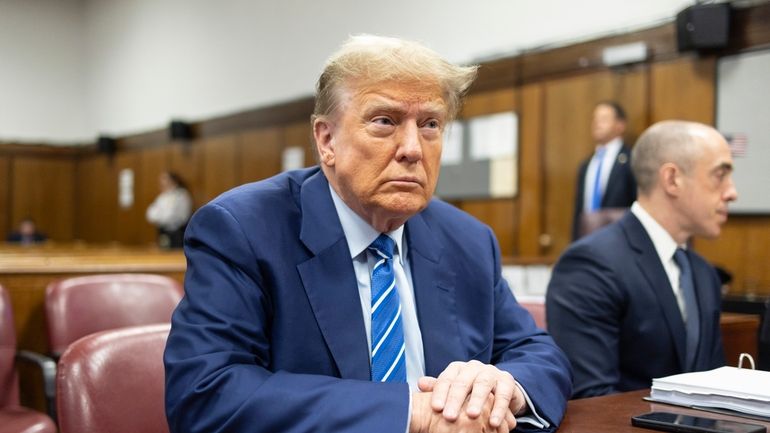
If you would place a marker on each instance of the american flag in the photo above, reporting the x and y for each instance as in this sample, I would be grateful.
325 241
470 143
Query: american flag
738 143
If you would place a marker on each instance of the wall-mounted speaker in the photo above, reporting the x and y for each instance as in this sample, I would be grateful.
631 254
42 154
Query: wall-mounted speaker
703 26
107 145
179 130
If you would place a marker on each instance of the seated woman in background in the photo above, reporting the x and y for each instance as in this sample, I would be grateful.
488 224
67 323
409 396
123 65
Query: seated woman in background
26 234
170 210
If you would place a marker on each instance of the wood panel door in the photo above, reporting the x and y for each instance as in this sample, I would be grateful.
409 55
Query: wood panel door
131 226
44 189
96 191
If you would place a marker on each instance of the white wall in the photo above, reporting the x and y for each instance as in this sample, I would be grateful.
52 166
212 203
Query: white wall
152 60
41 71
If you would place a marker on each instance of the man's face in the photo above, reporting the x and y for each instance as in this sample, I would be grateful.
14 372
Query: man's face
605 125
708 188
381 151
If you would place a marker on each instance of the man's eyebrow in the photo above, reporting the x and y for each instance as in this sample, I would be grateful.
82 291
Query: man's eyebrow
725 166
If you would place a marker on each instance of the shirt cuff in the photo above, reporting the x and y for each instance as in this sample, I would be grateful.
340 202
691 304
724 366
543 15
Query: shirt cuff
532 417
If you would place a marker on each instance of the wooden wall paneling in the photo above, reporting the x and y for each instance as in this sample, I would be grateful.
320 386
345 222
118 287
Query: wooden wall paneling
742 250
531 175
96 191
497 101
44 188
569 104
261 153
499 214
5 194
152 161
683 89
219 165
131 226
185 160
300 134
631 90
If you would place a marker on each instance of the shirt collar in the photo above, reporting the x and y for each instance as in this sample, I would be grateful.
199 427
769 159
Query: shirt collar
613 146
359 234
665 245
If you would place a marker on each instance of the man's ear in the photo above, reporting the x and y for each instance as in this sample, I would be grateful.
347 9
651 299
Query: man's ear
671 178
323 132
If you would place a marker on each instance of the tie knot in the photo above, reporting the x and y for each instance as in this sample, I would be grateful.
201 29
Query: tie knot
680 257
600 152
383 246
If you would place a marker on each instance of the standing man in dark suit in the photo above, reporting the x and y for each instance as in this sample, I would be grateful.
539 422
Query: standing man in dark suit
605 180
343 298
631 302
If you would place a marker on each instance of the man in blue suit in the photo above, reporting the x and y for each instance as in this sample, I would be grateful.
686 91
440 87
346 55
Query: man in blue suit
343 298
631 302
605 179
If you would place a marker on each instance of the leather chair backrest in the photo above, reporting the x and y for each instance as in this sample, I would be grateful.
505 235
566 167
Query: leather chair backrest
592 221
9 381
537 310
79 306
113 381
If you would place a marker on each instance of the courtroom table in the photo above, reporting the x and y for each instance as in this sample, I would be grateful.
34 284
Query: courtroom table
612 413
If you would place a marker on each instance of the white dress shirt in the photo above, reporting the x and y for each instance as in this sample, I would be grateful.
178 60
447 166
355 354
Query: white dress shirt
608 161
665 246
359 235
171 209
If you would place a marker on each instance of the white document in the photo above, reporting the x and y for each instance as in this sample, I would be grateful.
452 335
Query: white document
739 389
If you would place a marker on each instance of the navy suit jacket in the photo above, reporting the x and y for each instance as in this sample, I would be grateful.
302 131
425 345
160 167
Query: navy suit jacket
620 190
270 335
611 308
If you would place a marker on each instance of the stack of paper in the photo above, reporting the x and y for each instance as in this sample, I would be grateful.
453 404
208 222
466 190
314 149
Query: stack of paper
737 389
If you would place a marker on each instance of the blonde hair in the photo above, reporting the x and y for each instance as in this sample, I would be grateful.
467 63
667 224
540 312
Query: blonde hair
368 59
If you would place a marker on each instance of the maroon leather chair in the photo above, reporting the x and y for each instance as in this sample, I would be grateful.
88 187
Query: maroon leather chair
113 381
76 307
537 310
14 418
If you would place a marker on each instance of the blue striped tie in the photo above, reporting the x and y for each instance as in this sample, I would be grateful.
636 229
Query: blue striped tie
388 357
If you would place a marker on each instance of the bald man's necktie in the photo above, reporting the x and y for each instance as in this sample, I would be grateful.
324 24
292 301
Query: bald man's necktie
596 195
388 357
692 324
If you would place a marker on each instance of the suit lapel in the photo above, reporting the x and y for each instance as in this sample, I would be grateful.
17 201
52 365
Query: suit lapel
648 261
621 160
435 298
330 282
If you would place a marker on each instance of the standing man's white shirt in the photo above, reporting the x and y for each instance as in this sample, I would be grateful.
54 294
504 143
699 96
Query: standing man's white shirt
608 161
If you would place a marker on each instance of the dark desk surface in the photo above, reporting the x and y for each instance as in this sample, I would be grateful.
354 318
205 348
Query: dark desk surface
612 413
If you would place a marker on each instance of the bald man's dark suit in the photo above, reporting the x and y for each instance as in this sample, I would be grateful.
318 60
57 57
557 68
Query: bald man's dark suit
611 308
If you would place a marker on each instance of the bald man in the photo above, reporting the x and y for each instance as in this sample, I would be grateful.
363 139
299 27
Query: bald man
631 302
